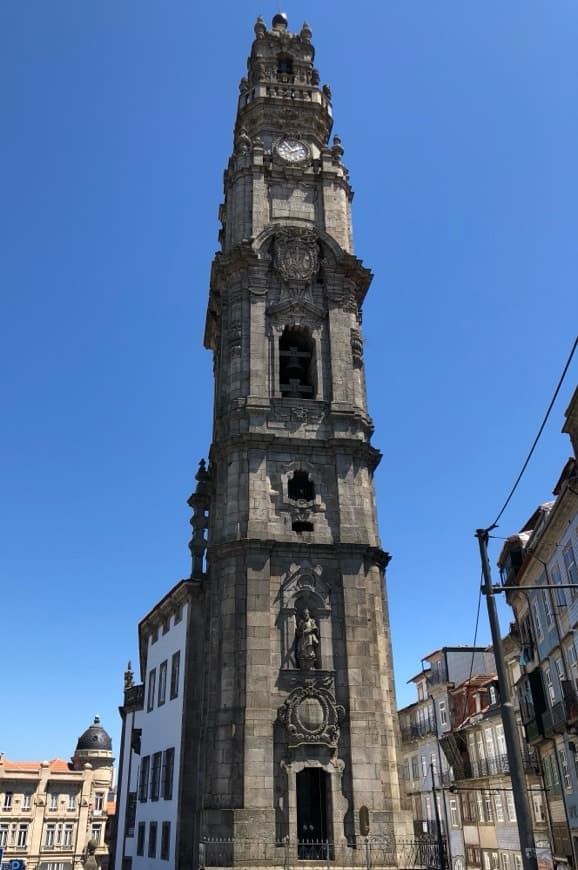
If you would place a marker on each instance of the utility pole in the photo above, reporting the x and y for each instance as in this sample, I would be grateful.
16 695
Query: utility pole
525 832
441 846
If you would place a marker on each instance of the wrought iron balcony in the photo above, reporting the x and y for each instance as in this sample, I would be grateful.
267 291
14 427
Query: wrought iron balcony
554 720
416 730
495 766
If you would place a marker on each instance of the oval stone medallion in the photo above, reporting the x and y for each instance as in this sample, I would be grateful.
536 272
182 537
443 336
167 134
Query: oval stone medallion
311 714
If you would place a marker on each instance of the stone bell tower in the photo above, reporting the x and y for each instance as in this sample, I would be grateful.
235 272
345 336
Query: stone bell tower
296 725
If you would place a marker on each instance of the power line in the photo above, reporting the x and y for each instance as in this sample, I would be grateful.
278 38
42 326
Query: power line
537 438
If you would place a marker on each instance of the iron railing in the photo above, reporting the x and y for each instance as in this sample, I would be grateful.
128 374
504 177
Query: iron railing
369 853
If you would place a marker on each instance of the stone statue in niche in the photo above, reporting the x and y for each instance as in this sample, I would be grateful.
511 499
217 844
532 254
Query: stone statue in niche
307 642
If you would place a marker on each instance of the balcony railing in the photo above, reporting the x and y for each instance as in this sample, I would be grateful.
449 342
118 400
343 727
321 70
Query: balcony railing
554 721
495 766
415 730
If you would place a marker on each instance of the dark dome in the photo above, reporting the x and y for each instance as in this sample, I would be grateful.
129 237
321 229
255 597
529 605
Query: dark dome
94 738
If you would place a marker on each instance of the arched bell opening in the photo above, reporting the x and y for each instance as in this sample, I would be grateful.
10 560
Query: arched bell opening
296 363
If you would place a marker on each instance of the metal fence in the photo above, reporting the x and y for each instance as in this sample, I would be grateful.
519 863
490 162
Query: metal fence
369 854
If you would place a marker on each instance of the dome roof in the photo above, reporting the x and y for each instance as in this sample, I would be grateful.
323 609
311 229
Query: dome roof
94 739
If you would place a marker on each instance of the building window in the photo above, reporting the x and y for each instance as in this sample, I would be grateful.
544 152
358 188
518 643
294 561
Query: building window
537 620
140 838
152 851
178 615
454 818
8 798
510 806
559 670
71 802
538 806
130 814
98 802
162 683
570 563
423 766
26 801
547 607
95 833
22 837
3 836
49 836
480 807
488 807
68 831
557 580
443 713
505 861
499 807
175 668
53 804
165 841
414 768
405 770
167 777
167 625
473 856
296 368
156 776
564 769
151 692
493 695
517 861
144 779
550 685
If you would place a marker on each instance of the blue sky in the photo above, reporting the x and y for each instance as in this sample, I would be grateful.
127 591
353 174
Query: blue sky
460 130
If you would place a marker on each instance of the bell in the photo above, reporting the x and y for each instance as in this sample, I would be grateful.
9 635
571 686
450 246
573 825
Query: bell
294 368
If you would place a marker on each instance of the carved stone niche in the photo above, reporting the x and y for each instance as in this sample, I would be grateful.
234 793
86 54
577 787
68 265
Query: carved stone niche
304 589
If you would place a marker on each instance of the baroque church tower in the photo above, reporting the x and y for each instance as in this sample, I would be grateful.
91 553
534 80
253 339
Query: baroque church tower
298 721
272 724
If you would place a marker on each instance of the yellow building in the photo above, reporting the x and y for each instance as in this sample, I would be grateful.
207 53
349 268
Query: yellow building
49 810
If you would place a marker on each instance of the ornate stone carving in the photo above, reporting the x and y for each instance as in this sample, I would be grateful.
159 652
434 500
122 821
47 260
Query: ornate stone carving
311 715
296 255
357 347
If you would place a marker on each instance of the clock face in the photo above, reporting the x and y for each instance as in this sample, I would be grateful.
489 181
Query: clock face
292 150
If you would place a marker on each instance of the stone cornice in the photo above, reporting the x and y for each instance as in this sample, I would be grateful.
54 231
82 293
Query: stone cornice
372 555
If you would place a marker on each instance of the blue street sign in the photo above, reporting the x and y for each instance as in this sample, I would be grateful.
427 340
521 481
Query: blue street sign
14 864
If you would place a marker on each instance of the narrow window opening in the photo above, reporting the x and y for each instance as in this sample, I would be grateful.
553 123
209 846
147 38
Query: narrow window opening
296 354
302 526
284 67
300 487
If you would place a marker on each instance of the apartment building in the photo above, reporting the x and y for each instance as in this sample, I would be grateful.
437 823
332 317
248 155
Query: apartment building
50 810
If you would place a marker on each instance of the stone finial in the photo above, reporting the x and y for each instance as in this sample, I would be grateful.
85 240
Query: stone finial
327 91
260 28
315 77
242 144
202 477
306 32
199 502
128 676
337 148
243 85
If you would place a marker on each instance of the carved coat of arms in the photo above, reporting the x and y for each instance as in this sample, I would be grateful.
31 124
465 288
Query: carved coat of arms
295 254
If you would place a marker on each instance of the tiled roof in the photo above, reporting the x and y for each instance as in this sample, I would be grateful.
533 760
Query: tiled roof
56 765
